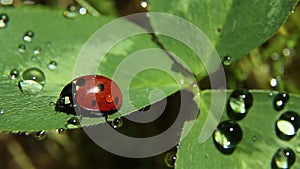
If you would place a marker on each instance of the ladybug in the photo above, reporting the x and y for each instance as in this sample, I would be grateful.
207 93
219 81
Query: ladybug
90 96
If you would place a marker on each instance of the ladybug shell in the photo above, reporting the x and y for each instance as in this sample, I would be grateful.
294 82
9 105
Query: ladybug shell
97 93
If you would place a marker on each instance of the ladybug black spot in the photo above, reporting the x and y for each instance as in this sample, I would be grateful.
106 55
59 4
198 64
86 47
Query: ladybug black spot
101 87
94 102
80 82
116 101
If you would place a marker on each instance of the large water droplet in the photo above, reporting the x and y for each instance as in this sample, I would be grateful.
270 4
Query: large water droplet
32 81
52 65
40 135
280 100
284 158
14 73
3 20
287 125
22 48
37 51
227 136
238 104
226 61
144 4
71 11
170 159
28 36
117 122
73 123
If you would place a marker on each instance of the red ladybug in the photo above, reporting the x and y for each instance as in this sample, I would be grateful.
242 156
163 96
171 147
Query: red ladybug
90 96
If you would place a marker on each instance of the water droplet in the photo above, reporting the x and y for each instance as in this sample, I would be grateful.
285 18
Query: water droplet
82 11
52 65
238 104
287 125
117 122
170 159
298 148
144 4
1 111
227 136
284 158
3 20
60 130
37 51
271 94
40 135
32 81
275 56
15 133
14 73
286 52
22 48
273 82
73 123
280 100
226 61
254 138
71 11
108 98
28 36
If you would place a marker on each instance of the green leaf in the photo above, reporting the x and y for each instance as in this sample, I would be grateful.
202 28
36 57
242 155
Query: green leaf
62 40
234 27
259 142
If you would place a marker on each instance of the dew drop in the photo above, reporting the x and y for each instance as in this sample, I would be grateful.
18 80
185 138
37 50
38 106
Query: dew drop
227 136
37 51
71 11
22 48
60 131
144 4
273 82
1 111
284 158
275 56
287 125
254 138
3 20
286 52
108 98
28 36
82 11
40 135
14 73
226 61
280 100
73 123
52 65
117 122
238 104
170 159
32 81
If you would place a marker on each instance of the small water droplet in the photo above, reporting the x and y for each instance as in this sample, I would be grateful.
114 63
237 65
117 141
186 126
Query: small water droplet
144 4
37 51
60 130
287 125
286 52
117 122
15 133
227 136
1 111
3 20
280 100
71 11
238 104
14 73
32 81
40 135
275 56
33 58
254 138
292 11
108 98
52 65
226 61
170 159
273 82
28 36
73 123
82 11
271 94
284 158
22 48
